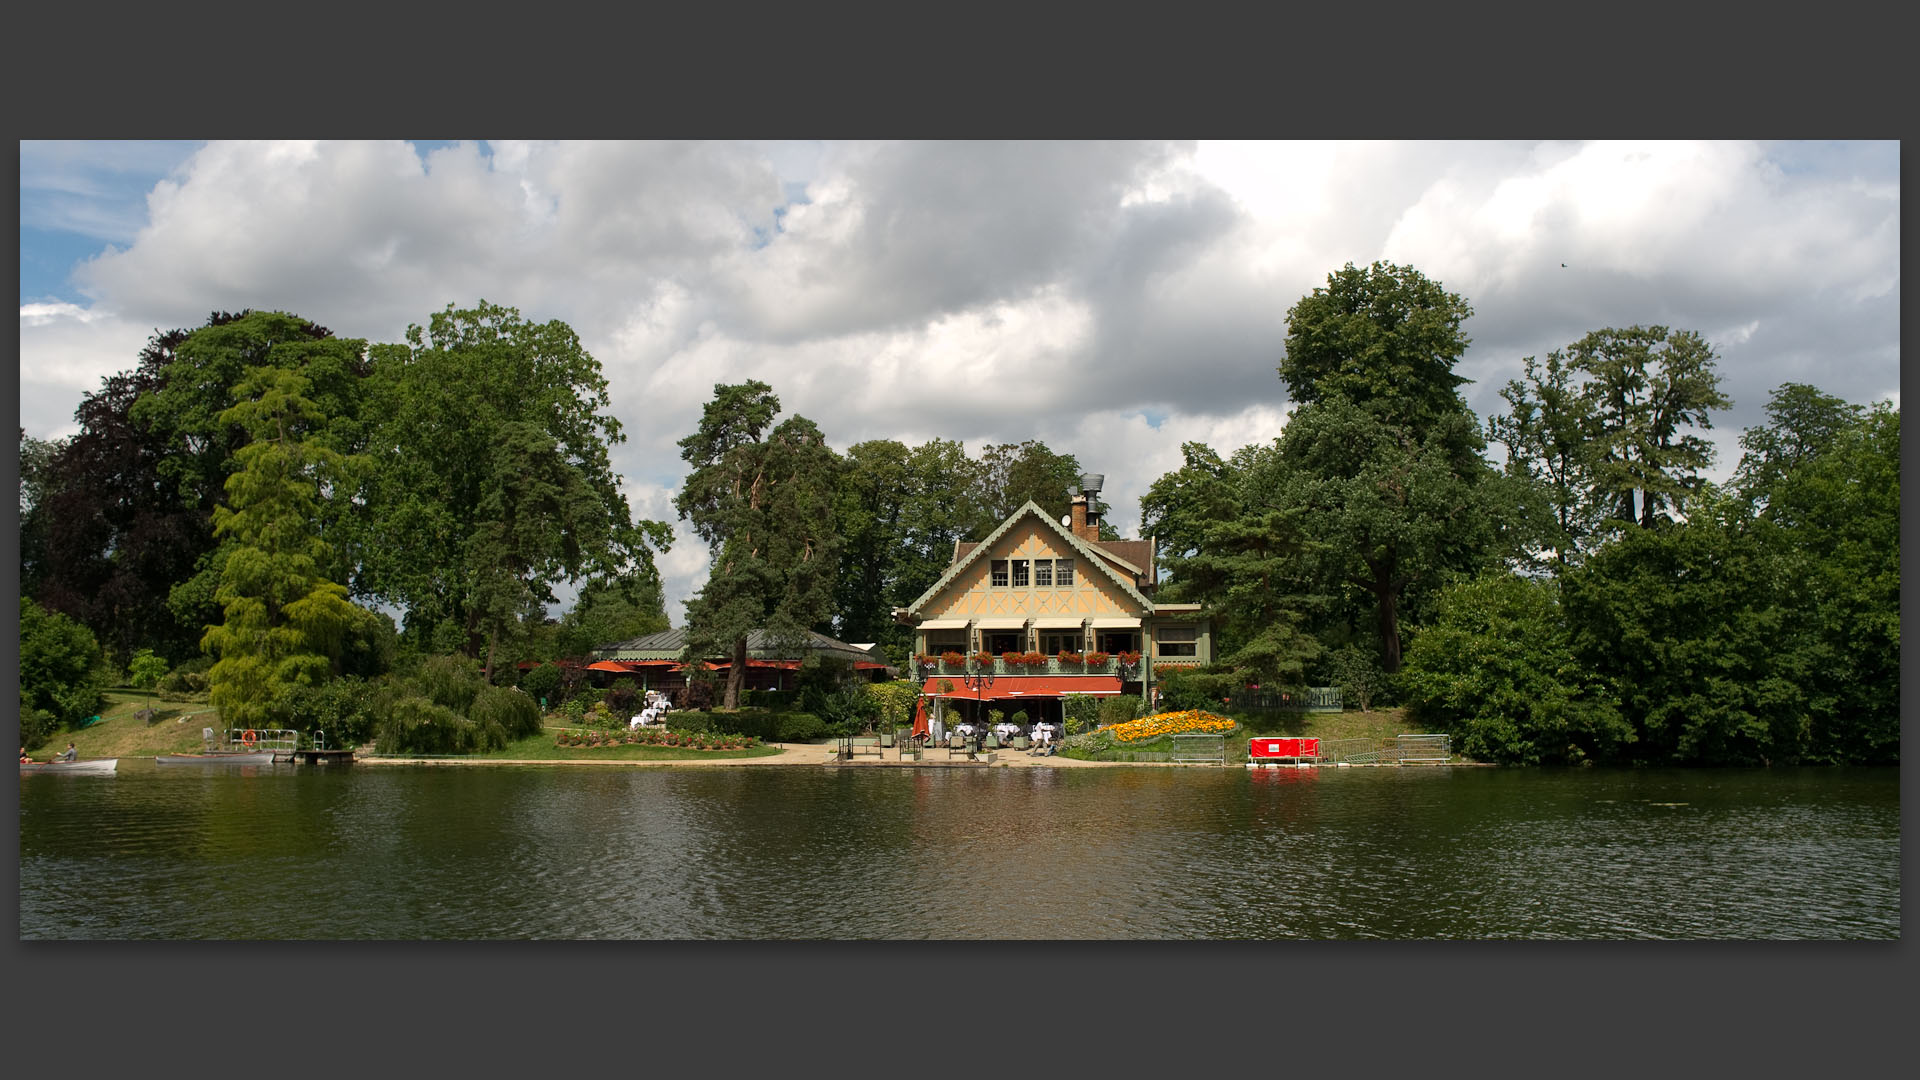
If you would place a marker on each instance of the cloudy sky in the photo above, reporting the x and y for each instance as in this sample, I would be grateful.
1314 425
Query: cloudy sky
1112 300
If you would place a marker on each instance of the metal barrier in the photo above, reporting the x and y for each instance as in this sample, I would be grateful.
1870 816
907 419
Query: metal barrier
1313 699
278 740
1196 748
1423 748
1350 751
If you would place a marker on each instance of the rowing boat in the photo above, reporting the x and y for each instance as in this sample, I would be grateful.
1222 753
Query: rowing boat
95 767
230 757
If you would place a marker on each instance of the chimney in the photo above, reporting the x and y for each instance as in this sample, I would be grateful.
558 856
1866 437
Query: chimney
1086 520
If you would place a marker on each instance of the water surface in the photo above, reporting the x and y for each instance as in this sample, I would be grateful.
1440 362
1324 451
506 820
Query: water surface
528 852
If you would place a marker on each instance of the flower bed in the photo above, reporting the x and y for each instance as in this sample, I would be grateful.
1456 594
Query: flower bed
1173 723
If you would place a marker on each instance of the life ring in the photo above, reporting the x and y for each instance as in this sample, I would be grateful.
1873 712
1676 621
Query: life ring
249 738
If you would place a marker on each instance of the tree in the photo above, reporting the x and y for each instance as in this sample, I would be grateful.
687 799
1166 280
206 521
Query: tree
286 622
490 480
944 506
1803 423
1646 385
1494 668
869 511
1385 338
121 536
1237 547
60 683
1829 492
1014 474
763 500
613 610
1549 434
1390 513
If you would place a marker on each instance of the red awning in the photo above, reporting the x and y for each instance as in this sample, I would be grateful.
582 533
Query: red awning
868 665
1019 686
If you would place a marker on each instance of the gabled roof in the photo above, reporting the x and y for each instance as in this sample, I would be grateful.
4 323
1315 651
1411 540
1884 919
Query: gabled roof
970 556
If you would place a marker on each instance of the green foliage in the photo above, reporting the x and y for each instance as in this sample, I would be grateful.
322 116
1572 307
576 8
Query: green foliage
1384 338
342 709
1495 670
145 669
1199 688
1697 626
609 611
508 709
1118 710
494 481
285 622
893 702
1358 674
1081 712
542 682
448 707
764 502
60 681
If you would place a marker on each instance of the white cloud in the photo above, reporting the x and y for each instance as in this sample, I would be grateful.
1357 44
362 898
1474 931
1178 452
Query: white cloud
984 291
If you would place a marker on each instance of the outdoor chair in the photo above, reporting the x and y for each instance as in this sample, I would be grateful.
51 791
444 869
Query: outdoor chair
957 744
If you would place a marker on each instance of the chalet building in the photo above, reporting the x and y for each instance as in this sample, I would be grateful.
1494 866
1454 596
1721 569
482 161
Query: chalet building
655 660
1039 588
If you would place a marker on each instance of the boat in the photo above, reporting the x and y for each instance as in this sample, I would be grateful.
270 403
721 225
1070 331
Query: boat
94 767
222 757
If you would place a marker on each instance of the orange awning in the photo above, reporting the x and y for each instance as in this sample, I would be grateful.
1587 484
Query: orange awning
1019 686
608 665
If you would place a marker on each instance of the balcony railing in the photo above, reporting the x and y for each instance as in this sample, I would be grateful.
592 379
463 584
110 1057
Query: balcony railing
1000 667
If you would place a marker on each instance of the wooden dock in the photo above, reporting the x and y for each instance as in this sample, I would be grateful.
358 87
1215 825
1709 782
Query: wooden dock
322 757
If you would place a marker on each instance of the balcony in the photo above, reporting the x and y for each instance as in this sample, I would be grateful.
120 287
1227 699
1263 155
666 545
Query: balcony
1000 667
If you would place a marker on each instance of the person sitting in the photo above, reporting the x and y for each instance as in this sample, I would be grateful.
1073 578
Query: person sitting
25 759
68 754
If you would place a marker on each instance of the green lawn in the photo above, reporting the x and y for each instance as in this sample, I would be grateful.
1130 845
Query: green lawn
121 733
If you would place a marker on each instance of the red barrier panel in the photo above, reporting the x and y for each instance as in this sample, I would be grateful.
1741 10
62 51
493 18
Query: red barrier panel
1268 749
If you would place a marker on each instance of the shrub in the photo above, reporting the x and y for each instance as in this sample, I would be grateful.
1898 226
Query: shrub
1082 712
415 724
776 700
894 702
1357 672
624 696
1118 710
1202 688
799 727
449 681
512 711
542 682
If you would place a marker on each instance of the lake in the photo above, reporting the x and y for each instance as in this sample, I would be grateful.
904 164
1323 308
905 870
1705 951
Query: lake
289 852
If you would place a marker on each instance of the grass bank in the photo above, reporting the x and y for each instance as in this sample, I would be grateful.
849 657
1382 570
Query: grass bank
121 733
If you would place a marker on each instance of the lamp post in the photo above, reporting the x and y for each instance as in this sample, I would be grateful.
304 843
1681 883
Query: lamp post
978 681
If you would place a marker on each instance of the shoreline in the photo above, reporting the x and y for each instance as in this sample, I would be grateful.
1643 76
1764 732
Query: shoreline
818 755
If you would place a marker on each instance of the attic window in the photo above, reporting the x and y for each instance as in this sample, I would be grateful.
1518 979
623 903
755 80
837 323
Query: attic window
1062 573
999 568
1043 573
1019 573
